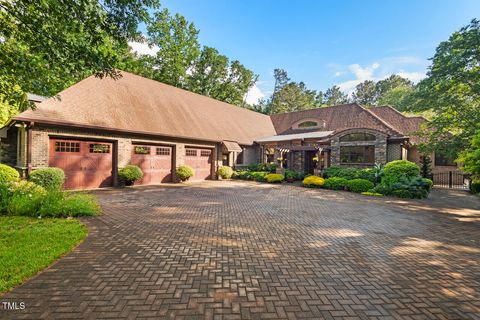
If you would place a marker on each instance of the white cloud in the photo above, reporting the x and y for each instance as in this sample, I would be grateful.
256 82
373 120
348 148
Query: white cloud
381 69
254 94
143 48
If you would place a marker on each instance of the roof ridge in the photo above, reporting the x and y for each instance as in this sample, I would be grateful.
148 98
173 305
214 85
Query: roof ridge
334 106
385 123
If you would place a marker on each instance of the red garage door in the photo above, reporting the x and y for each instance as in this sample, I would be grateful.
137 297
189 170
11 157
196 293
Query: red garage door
201 161
87 164
155 162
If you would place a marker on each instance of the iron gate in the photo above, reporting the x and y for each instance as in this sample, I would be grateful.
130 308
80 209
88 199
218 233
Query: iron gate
451 179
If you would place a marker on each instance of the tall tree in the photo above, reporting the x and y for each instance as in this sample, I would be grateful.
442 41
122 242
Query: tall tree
366 93
334 96
451 91
238 82
47 45
392 82
400 98
294 97
178 44
208 73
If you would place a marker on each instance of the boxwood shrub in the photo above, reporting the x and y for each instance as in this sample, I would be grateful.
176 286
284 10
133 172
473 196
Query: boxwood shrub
8 174
335 183
313 182
49 178
130 173
274 178
225 172
184 172
359 185
399 169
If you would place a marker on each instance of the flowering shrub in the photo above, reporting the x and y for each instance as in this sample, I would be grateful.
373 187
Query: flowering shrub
184 172
8 174
225 172
313 182
274 178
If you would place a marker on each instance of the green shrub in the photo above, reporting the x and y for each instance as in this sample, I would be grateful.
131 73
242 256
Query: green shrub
359 185
130 173
240 174
274 178
290 174
475 187
367 174
184 172
25 204
225 172
313 182
259 176
347 173
6 191
258 167
8 174
27 187
413 188
60 205
373 194
429 184
49 178
335 183
400 169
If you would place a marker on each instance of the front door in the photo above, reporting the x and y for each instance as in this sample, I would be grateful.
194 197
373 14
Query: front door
309 163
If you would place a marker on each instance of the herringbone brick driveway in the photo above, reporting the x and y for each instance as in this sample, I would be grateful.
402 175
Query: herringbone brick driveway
232 250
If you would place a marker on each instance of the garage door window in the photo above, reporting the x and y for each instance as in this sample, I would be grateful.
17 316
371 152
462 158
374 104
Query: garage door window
65 146
191 152
99 148
205 153
162 151
142 150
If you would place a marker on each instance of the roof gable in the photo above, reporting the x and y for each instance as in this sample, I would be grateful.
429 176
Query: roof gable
336 118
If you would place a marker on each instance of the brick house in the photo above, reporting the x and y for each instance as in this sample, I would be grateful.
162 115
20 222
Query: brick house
99 125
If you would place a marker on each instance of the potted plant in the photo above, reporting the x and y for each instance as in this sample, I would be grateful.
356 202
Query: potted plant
290 175
130 174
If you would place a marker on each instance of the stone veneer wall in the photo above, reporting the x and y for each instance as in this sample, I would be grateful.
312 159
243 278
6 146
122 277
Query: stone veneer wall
380 146
41 143
8 147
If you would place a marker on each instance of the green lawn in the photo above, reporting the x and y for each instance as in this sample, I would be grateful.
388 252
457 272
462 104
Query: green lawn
28 245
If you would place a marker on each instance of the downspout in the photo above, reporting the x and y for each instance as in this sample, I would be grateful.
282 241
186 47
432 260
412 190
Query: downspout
29 148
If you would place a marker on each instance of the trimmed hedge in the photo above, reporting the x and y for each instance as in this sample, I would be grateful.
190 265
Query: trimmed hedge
399 169
49 178
130 173
350 173
313 182
225 172
184 172
274 178
335 183
359 185
8 174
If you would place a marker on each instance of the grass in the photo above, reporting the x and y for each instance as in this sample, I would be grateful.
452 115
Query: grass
28 245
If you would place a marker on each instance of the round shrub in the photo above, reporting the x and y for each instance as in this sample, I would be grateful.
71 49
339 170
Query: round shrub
429 184
184 172
347 173
335 183
274 178
359 185
313 182
130 173
49 178
225 172
475 187
400 169
27 188
8 174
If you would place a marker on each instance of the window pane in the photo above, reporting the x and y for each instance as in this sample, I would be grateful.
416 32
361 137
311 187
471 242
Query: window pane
357 154
163 151
191 152
307 124
142 150
99 148
358 136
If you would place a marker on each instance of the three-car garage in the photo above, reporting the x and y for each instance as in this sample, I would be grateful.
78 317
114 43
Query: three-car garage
93 164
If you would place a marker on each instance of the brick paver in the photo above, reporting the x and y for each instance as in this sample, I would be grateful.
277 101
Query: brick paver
231 250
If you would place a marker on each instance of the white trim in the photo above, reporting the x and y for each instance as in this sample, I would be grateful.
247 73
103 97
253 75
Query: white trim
296 136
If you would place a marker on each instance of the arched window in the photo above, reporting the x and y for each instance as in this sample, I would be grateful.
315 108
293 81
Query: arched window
307 124
358 136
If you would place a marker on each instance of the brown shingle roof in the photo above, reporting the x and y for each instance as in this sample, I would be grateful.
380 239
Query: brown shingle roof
134 103
336 118
406 125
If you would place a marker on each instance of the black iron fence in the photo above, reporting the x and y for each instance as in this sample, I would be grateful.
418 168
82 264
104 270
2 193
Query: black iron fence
452 180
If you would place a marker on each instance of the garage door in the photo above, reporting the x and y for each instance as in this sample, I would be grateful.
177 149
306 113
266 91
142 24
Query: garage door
201 161
87 164
155 162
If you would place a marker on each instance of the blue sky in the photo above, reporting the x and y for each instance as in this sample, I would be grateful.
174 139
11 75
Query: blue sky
326 43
